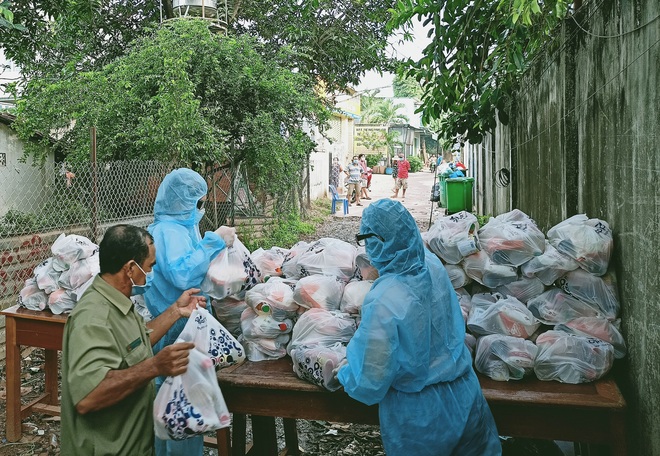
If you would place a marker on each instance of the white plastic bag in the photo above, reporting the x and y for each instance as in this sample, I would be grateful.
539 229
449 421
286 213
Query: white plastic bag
354 294
587 241
512 238
550 266
316 363
67 249
496 314
320 291
273 298
479 267
504 358
191 403
79 272
212 339
61 301
231 272
46 276
229 312
569 358
600 292
454 237
600 328
465 301
322 327
363 267
328 256
554 306
270 261
256 326
457 276
523 289
31 297
290 265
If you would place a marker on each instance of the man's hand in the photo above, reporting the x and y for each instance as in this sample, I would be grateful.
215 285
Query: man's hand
173 359
188 301
227 234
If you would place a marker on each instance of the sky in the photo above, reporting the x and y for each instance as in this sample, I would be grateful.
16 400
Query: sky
409 49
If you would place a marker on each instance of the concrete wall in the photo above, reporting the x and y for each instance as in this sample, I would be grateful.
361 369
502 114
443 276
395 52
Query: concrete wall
584 139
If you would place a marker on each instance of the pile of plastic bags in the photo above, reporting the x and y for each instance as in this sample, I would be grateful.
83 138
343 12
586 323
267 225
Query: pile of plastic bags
537 304
59 281
306 304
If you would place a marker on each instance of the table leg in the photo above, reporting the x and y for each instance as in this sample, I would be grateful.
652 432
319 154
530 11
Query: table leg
264 436
291 436
238 435
13 382
51 373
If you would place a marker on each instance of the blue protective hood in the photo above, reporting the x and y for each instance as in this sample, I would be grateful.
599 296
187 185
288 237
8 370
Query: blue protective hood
402 251
178 195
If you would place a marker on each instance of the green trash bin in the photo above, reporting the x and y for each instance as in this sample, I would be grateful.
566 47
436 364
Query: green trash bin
457 194
442 187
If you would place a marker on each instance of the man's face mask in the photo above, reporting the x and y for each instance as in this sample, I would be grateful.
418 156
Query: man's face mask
142 289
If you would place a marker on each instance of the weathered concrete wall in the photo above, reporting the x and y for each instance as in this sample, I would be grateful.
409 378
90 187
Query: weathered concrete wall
585 139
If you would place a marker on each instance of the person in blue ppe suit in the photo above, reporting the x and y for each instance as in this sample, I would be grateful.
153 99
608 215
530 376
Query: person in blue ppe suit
408 355
182 260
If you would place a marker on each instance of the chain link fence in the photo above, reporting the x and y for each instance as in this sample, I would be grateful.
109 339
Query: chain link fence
38 204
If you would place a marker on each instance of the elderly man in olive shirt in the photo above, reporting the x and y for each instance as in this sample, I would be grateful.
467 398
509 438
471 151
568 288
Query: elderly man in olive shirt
108 365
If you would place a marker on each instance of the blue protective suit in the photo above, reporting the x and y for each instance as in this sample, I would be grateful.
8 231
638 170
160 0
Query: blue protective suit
408 354
182 260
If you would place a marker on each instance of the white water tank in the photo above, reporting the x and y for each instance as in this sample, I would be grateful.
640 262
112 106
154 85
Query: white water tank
206 9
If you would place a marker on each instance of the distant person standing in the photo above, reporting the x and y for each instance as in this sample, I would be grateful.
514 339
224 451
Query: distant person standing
402 176
395 170
354 171
335 172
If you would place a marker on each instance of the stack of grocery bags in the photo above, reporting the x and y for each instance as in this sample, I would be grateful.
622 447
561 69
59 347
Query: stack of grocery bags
533 304
58 282
538 305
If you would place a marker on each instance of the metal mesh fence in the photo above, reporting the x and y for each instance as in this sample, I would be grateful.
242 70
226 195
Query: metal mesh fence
38 204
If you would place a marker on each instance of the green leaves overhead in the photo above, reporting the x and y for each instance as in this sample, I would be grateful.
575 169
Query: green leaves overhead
479 50
181 94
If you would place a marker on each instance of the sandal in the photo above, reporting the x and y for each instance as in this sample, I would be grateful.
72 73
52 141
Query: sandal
358 204
367 198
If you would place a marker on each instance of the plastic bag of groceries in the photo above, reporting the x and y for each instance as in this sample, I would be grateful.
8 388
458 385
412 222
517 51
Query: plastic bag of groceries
31 296
454 237
320 291
46 276
262 349
274 298
328 256
465 301
569 358
191 403
364 270
479 268
79 272
80 291
353 297
231 272
512 238
141 307
504 358
497 314
322 327
457 276
256 326
554 306
315 364
550 266
523 289
600 328
212 339
290 265
599 291
67 249
587 241
228 311
269 262
61 301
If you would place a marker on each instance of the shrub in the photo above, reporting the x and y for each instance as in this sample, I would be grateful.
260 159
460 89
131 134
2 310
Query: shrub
416 164
372 160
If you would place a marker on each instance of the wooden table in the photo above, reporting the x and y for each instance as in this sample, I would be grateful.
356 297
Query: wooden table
34 329
589 413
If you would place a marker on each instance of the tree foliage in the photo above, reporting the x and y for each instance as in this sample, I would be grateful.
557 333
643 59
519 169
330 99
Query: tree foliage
407 87
182 94
7 17
478 51
380 110
334 40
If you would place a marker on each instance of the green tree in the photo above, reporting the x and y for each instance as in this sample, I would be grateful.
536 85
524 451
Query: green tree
407 87
335 41
7 17
387 113
480 49
182 94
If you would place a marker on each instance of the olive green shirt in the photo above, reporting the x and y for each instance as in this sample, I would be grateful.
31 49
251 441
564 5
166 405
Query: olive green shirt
105 333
